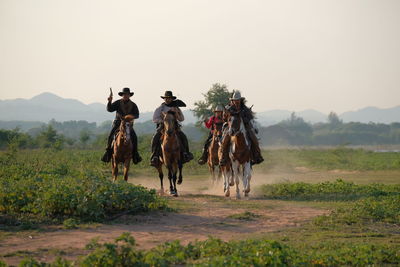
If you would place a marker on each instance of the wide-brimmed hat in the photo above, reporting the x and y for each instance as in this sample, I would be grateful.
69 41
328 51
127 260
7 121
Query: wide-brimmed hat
236 96
126 90
219 108
168 94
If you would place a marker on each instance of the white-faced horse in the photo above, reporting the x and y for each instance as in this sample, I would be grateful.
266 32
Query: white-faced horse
239 154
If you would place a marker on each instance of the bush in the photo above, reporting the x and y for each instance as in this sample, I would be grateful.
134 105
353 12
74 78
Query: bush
215 252
338 190
381 209
55 185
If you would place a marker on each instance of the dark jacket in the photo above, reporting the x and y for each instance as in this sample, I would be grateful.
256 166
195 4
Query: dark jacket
123 109
245 113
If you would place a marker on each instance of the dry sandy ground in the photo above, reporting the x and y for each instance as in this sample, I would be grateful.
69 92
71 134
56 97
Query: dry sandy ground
201 212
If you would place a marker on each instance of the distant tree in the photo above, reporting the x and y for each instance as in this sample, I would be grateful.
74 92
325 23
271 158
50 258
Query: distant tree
48 138
333 119
84 136
218 94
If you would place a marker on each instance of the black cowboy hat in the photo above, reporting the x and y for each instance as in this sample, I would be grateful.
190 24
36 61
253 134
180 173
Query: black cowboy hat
168 94
126 90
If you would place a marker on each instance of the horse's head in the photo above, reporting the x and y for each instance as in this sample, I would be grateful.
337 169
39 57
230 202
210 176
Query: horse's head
235 125
169 122
125 127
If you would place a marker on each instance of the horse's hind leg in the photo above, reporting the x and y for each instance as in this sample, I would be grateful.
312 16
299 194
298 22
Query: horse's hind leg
180 178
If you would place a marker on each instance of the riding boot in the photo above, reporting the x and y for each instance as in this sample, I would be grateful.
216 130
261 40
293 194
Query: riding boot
257 158
187 156
136 158
204 156
109 150
155 149
226 140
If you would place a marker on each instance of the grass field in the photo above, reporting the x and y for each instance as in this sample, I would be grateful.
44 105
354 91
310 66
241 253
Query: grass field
328 207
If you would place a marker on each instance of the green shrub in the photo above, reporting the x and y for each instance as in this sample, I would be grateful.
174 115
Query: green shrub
338 190
54 186
215 252
381 209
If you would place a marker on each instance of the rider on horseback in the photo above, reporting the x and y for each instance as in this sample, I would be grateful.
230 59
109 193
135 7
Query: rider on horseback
237 107
123 107
170 104
213 123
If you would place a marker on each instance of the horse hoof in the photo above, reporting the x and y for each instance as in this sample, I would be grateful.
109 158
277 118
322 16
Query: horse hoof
231 183
179 181
246 194
227 193
238 197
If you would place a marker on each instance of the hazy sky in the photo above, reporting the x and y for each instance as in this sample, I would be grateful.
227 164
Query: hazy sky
328 55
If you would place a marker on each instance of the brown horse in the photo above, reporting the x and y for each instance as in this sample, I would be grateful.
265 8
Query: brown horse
171 153
213 158
122 147
240 154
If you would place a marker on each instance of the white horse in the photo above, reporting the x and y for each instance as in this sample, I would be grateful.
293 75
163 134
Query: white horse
239 153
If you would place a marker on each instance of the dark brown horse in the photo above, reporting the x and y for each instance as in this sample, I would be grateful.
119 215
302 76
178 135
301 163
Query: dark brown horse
171 153
122 147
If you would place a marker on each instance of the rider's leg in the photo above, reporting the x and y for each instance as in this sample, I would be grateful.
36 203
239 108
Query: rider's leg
108 153
203 158
136 158
187 156
255 147
156 147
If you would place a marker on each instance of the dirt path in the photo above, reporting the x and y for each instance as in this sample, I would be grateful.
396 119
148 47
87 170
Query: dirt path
198 216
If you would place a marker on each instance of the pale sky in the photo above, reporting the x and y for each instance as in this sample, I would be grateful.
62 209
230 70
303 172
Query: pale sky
327 55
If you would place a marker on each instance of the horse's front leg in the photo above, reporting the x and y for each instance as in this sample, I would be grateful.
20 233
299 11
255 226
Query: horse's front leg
246 178
180 167
212 172
170 178
174 177
114 166
226 176
235 167
161 176
126 168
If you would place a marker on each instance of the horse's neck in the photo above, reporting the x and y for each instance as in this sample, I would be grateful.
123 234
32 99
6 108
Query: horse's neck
170 139
241 140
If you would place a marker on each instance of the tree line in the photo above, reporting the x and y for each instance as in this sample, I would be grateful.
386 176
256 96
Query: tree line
292 131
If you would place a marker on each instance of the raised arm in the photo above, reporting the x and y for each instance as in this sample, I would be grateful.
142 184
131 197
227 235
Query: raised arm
111 107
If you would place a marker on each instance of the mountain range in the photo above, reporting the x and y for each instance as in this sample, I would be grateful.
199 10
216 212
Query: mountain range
47 106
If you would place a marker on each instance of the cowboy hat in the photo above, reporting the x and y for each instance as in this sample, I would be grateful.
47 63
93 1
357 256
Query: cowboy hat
168 94
236 96
125 91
